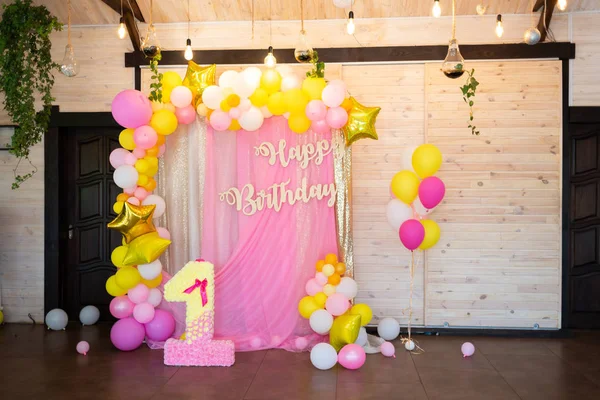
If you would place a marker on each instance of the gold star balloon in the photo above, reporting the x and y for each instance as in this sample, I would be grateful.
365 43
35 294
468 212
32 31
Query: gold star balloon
198 78
134 221
145 248
361 122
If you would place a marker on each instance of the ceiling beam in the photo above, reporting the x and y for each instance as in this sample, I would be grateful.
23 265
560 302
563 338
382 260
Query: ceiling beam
547 7
132 29
116 5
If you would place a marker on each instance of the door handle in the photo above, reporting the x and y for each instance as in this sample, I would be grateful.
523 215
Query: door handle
70 232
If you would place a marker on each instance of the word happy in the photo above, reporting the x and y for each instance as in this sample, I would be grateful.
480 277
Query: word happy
302 153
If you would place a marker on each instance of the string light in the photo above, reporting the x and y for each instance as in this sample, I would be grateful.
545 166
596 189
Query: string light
436 11
121 31
499 27
350 27
562 5
188 54
270 60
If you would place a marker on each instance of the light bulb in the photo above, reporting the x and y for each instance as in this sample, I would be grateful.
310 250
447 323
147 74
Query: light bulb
121 31
350 27
188 54
454 63
270 60
436 10
481 9
69 66
499 27
150 45
562 5
303 52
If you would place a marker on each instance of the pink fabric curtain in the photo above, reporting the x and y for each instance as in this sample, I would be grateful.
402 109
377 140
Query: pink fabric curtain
263 261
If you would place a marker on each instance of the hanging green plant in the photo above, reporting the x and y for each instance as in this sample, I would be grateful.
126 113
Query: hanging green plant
156 85
468 91
26 74
318 70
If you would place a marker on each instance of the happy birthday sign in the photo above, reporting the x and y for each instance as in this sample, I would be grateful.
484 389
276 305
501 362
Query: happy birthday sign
250 201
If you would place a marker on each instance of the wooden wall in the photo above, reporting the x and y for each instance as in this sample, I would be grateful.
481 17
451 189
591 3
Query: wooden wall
102 75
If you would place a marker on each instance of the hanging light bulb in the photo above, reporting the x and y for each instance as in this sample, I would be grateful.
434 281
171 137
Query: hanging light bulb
499 27
350 27
69 66
188 54
562 5
436 11
121 31
481 9
150 44
454 63
270 60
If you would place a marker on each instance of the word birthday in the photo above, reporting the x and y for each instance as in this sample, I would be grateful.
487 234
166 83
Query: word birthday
274 197
302 153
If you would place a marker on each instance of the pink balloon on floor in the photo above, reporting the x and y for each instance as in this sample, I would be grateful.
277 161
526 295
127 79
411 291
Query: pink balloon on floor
337 304
301 343
388 349
161 327
412 234
320 127
312 287
316 110
127 334
145 137
431 192
352 356
131 109
336 117
83 347
185 115
467 349
121 307
143 313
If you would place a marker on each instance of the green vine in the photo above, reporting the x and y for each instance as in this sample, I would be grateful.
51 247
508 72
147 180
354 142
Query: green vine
468 92
318 70
156 86
26 73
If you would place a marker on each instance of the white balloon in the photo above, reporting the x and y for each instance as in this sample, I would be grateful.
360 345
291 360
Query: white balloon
284 70
265 112
362 338
409 345
89 315
126 176
158 201
154 297
397 213
420 208
290 82
150 271
212 97
338 82
252 76
252 119
348 287
407 158
333 95
245 104
321 321
227 79
241 87
323 356
388 329
343 3
57 319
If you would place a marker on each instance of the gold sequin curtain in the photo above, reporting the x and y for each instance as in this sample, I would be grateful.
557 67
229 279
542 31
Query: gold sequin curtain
342 164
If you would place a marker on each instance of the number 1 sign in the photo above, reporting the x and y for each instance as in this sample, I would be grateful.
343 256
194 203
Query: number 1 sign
195 285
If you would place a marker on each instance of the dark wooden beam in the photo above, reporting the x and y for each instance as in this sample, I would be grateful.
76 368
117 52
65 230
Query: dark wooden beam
547 7
116 5
365 54
132 29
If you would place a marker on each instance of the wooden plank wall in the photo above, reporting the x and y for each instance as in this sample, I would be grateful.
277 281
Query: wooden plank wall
585 85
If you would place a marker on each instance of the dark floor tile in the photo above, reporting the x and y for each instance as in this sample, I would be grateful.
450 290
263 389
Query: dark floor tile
514 346
380 391
439 344
451 359
380 369
448 384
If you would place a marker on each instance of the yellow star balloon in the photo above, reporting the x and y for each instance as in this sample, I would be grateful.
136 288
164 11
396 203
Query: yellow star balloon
134 221
344 331
145 248
361 122
198 78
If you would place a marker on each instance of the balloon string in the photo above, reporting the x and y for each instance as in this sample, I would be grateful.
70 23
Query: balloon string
453 19
418 349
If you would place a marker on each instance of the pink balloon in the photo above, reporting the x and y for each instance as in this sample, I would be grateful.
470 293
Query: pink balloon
138 294
312 287
145 137
431 192
412 234
140 193
181 96
143 312
321 127
388 349
337 304
163 233
320 278
235 113
161 150
127 334
333 95
121 307
161 327
130 159
336 117
155 297
316 110
139 153
185 115
131 109
117 157
467 349
83 347
220 120
130 190
301 343
134 200
352 356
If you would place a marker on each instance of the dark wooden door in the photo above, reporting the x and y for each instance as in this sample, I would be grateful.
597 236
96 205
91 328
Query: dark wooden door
87 195
582 157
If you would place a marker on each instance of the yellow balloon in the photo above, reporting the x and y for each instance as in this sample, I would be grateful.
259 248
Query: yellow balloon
142 180
128 277
169 107
225 106
328 289
313 87
328 270
234 126
426 160
118 206
113 289
344 331
142 166
331 259
299 122
118 255
126 139
295 101
275 104
166 94
270 81
154 282
1 317
365 312
432 234
171 80
320 299
145 249
405 186
156 106
202 110
259 98
307 306
233 100
122 197
164 122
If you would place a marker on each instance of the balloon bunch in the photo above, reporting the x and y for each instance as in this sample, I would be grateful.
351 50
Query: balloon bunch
329 311
243 100
416 198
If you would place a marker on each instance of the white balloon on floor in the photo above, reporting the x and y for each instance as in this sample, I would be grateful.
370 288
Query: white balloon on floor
89 315
362 339
323 356
56 319
388 329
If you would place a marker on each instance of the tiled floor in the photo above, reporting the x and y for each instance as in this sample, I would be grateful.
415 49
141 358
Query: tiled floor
40 364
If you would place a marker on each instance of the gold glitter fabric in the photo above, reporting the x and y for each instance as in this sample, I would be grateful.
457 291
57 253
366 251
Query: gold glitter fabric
342 164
